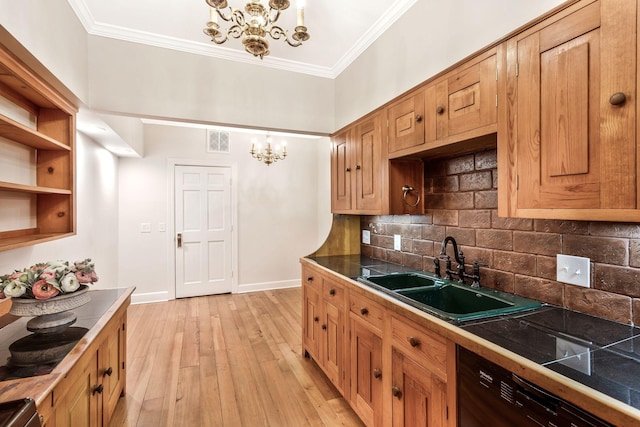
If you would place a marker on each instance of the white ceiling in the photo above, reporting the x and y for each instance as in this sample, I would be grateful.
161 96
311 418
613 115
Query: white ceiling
340 29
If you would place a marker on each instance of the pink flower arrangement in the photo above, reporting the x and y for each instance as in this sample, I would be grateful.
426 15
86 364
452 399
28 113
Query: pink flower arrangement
46 280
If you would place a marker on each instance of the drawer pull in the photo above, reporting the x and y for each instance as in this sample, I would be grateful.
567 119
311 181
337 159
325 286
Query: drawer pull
364 311
377 373
413 341
396 392
310 279
332 292
98 389
618 98
324 327
107 372
316 319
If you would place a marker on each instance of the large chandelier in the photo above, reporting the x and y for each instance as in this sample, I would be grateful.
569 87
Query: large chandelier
253 24
268 154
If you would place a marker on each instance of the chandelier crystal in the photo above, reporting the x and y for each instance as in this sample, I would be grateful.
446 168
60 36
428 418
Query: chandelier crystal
268 155
254 24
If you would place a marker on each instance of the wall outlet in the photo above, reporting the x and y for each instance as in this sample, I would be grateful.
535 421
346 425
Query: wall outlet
574 270
573 355
397 242
366 237
145 227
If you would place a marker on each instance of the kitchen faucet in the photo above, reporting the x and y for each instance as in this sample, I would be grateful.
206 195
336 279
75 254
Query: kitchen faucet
460 268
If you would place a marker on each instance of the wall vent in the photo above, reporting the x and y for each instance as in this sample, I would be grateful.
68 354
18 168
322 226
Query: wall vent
218 141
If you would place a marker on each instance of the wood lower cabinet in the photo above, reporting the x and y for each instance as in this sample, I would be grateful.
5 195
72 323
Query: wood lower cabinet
419 376
324 324
367 371
568 148
392 370
90 392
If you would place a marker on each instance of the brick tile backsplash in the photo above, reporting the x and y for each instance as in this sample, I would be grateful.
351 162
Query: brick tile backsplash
461 201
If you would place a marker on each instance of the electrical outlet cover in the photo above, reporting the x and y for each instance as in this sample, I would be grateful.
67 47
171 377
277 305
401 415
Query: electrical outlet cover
366 237
397 242
574 270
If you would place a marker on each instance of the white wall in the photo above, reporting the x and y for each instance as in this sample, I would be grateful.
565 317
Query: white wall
53 34
278 209
130 78
429 38
97 220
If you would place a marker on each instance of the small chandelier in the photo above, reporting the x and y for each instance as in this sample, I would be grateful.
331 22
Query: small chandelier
267 154
254 24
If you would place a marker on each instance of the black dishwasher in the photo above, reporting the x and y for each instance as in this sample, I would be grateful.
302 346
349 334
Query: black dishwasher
491 396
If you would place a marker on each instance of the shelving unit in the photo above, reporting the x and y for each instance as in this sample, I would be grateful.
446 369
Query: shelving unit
52 137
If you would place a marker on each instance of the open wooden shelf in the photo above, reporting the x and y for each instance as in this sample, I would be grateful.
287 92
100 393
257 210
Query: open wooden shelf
31 189
18 132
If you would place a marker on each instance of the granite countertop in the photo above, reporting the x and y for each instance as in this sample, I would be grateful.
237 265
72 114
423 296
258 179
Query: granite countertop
602 354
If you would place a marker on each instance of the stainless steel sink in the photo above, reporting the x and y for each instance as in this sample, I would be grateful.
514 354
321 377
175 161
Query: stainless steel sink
449 300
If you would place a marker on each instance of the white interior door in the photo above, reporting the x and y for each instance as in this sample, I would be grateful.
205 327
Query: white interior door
203 230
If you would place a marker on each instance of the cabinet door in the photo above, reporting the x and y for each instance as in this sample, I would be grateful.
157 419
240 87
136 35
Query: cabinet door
341 173
419 397
80 405
111 356
366 372
333 343
369 166
575 143
466 100
406 123
311 317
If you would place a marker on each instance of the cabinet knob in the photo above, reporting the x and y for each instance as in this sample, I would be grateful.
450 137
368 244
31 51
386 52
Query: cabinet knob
396 392
107 372
377 373
324 327
316 319
348 170
440 109
332 292
364 311
413 341
418 118
310 279
98 389
358 167
50 169
618 98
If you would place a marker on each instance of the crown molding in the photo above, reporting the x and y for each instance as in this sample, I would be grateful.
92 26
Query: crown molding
398 8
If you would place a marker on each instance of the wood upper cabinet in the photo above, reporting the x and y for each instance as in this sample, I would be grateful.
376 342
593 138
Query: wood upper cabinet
406 123
568 147
358 169
463 104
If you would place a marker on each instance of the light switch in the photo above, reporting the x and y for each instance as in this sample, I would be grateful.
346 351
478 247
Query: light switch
366 237
162 226
574 270
397 242
145 227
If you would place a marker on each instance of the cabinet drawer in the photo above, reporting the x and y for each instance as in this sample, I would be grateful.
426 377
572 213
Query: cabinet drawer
333 292
366 310
424 347
312 278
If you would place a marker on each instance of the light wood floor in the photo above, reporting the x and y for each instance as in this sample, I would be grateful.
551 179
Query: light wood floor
226 360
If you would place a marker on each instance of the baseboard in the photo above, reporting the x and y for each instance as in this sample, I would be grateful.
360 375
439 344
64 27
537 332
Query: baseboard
267 286
149 297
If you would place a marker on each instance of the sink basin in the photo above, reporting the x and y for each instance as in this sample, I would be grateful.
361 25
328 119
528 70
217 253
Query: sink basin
447 299
399 281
